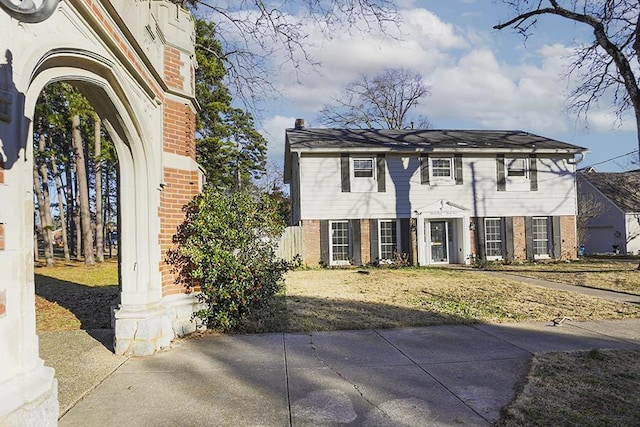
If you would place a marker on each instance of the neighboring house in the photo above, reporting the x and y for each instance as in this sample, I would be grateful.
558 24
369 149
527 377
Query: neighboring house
610 205
439 196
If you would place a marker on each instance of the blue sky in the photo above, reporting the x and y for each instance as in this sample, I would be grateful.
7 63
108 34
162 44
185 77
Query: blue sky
480 78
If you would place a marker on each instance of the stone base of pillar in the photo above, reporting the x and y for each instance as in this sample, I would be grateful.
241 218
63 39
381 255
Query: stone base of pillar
30 399
143 330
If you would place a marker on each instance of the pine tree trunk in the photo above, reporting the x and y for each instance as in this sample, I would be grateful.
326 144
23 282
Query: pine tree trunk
61 196
47 225
37 188
71 212
83 192
97 151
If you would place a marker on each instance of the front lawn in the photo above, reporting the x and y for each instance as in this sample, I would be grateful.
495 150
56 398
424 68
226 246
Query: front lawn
386 298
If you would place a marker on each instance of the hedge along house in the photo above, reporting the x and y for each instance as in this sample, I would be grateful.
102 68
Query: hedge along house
134 61
437 196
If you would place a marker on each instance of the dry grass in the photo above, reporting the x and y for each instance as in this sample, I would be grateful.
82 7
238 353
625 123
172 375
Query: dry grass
70 296
615 276
595 388
382 298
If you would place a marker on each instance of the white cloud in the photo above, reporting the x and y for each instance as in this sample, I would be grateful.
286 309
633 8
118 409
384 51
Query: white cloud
273 131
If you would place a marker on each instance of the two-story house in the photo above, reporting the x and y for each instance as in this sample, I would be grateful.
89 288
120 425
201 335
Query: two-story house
438 196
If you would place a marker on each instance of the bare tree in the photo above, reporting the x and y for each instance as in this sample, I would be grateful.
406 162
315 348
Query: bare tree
83 191
384 101
606 66
252 33
97 169
41 186
589 207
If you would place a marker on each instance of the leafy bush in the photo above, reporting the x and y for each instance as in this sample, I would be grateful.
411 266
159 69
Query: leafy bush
226 250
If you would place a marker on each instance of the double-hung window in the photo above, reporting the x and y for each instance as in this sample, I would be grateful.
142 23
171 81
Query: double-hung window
540 227
517 167
493 238
388 231
441 170
363 168
339 248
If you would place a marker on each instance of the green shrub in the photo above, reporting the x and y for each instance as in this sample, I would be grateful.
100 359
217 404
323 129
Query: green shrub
226 250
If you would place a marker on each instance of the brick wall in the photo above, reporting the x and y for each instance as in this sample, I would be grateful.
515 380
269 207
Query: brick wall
311 242
173 68
180 187
568 235
365 242
179 129
519 239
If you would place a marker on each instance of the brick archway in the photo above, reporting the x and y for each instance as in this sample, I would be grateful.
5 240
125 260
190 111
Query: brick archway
134 62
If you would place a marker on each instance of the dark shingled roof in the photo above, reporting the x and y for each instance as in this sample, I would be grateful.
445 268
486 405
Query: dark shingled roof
622 188
422 140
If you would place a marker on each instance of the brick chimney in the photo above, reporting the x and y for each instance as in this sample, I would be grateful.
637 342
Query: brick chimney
299 124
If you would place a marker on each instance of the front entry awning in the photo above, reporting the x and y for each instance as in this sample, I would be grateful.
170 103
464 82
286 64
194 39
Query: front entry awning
443 234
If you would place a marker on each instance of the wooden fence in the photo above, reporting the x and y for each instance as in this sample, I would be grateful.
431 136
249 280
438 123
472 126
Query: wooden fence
290 243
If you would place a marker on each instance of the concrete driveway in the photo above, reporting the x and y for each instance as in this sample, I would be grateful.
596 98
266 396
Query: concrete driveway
429 376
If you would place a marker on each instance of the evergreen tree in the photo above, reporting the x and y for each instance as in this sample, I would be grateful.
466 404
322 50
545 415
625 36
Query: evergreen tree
228 147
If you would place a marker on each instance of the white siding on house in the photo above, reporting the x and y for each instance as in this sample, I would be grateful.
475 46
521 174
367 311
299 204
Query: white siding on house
633 234
606 226
321 196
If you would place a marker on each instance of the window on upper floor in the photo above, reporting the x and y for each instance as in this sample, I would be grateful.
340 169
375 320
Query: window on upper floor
517 167
441 168
363 168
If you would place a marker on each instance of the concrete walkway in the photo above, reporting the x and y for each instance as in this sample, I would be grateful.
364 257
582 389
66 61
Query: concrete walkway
429 376
599 293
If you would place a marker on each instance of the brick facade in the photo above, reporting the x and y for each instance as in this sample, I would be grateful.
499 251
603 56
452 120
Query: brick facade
569 238
173 65
365 241
312 251
180 187
311 242
519 239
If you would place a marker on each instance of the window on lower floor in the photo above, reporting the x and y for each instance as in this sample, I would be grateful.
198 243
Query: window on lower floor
339 242
388 239
540 237
493 238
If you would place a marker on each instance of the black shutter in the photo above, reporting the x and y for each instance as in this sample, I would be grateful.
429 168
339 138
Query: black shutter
557 238
528 237
324 242
405 236
355 243
373 239
382 173
457 160
424 169
345 173
533 172
508 238
502 182
480 237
